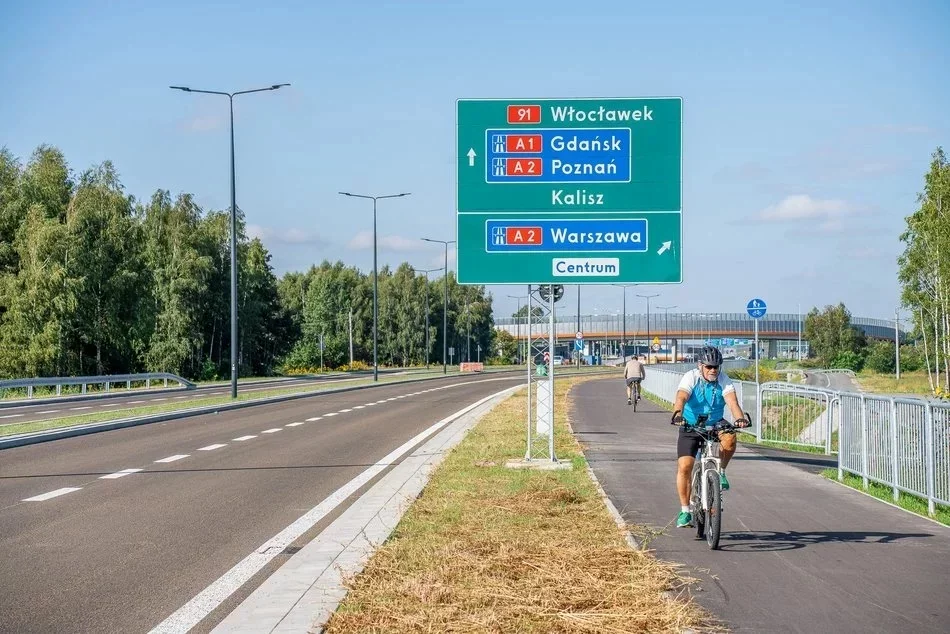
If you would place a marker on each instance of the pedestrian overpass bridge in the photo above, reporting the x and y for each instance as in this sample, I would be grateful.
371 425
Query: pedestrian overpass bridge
778 332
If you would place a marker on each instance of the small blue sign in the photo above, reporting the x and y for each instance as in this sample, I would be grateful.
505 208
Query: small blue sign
566 236
756 308
569 155
578 344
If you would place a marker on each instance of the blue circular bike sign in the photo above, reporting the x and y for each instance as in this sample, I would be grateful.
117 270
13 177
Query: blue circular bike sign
755 308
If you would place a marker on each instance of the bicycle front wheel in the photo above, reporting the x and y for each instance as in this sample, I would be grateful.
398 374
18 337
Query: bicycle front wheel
696 499
714 512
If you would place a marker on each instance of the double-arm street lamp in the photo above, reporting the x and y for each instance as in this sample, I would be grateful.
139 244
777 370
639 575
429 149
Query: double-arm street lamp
234 274
375 274
427 271
445 305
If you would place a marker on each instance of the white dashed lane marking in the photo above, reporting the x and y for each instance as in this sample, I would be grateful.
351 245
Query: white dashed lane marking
271 431
293 424
52 494
119 474
245 438
173 458
75 409
212 447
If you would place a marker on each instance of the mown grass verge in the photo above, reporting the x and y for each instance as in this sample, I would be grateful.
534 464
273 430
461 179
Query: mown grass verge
489 548
906 501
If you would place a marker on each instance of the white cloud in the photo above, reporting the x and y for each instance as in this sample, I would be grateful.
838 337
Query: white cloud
364 240
804 207
284 236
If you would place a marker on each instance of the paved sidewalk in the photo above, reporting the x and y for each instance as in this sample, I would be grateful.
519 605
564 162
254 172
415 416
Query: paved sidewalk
798 553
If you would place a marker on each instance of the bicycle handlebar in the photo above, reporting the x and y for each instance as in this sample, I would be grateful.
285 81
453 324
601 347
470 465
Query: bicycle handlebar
702 423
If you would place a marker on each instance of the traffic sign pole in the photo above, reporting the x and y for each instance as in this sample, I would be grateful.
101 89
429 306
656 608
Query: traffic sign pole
757 309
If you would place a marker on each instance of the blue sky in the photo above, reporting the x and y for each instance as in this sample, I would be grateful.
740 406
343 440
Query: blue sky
807 129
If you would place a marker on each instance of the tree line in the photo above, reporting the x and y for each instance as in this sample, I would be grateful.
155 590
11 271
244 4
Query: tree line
94 281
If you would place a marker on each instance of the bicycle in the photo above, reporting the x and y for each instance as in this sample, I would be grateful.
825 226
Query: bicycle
705 494
636 395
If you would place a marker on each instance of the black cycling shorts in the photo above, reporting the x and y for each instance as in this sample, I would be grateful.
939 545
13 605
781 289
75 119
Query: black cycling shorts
689 442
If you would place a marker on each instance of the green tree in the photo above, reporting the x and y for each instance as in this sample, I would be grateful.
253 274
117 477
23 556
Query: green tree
830 333
105 238
924 270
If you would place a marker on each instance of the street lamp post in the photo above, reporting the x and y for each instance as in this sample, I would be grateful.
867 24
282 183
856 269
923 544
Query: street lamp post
666 309
649 346
518 320
445 305
375 275
623 341
234 274
427 271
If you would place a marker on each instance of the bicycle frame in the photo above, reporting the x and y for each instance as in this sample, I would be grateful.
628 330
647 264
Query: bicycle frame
708 460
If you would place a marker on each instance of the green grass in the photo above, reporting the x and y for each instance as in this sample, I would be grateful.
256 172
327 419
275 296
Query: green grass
909 383
906 501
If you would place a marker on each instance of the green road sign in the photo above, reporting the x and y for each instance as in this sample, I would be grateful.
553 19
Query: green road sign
576 191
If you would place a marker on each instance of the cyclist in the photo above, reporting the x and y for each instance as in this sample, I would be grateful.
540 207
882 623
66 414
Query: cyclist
633 374
703 391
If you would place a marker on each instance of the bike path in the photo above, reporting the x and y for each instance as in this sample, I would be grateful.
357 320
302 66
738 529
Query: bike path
798 552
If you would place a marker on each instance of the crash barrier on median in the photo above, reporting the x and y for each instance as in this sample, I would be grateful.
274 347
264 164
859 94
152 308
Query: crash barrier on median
470 366
902 443
106 381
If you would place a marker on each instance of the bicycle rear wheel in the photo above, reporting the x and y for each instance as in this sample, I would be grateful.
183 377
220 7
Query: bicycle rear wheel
695 499
714 504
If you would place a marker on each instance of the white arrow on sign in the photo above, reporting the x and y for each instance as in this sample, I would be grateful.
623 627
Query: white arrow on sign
471 157
666 247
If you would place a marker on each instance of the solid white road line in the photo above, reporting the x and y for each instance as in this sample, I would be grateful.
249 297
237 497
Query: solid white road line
52 494
173 458
186 617
119 474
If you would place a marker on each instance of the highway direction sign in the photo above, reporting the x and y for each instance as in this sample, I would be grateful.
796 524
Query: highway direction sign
579 191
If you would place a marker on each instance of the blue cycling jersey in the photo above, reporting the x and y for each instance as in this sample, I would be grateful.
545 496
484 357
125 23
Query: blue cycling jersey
705 398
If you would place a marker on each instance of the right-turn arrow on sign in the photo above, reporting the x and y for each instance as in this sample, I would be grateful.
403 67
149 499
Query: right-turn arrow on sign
666 247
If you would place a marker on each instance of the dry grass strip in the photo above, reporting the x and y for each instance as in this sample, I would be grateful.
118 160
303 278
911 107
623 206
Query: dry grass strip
491 549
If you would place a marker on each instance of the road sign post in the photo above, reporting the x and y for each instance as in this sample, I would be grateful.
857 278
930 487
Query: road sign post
757 309
585 191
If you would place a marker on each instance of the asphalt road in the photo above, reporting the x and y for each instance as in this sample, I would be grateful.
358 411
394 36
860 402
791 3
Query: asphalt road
832 381
77 405
798 553
94 550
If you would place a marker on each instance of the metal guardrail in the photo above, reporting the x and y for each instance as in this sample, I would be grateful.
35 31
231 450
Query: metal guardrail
107 381
902 443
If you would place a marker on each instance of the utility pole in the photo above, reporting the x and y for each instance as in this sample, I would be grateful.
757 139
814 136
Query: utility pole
897 343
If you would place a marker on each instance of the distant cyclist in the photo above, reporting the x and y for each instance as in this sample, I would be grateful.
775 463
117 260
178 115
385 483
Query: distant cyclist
704 391
633 374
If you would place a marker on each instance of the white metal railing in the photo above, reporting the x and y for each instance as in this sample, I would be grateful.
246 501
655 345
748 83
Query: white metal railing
106 381
662 383
902 443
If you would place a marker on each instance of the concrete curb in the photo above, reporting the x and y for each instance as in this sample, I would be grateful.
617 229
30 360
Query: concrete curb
304 593
20 440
